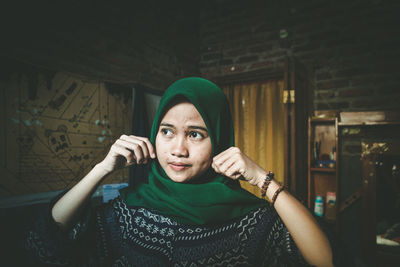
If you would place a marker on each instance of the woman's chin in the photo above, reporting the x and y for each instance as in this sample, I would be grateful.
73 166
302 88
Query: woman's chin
179 178
186 176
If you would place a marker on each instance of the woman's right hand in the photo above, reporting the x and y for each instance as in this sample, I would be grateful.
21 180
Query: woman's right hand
126 151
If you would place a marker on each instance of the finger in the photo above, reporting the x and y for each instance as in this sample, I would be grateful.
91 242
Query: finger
219 160
149 145
138 150
224 160
237 176
232 167
144 143
225 165
124 152
223 156
235 170
215 167
240 177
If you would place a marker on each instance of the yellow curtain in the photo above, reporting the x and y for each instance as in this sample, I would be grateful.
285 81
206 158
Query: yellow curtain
258 115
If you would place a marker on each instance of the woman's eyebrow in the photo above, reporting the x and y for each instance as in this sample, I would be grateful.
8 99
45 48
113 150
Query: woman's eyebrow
198 128
167 125
195 127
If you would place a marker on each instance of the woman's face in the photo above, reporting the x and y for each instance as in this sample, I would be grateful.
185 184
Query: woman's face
183 145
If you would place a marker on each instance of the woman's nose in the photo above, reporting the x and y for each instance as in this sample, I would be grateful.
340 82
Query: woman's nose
179 148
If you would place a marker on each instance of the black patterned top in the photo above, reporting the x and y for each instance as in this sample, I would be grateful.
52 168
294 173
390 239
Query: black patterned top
114 234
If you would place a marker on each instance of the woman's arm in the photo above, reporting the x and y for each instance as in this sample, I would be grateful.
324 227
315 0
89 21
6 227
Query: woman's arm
308 236
127 150
306 233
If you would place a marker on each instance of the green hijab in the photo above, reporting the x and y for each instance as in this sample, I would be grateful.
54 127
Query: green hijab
218 198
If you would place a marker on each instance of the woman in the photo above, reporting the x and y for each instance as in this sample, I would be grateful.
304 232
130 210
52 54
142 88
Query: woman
192 212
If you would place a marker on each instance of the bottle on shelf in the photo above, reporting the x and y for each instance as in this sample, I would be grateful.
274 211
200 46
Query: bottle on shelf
319 206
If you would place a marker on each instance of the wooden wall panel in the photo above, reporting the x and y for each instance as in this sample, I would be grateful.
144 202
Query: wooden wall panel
54 133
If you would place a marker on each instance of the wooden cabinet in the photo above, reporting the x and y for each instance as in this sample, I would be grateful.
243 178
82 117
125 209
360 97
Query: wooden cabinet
381 196
369 152
323 164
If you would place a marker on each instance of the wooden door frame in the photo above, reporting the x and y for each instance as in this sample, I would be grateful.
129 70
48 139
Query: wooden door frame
297 127
295 132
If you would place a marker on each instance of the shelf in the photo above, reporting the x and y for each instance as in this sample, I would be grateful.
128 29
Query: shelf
356 123
322 120
331 170
322 142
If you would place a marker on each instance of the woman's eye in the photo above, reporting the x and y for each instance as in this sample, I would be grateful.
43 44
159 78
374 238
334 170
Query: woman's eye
196 135
166 132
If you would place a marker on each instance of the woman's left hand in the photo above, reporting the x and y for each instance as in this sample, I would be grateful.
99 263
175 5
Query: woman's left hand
308 236
234 164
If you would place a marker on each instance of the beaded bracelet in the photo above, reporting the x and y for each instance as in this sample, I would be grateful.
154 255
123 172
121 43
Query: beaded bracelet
280 189
267 181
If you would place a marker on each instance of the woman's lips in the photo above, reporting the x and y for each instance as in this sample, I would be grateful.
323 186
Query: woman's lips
178 166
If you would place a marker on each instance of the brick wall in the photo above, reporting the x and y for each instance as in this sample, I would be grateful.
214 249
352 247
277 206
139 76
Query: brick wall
145 42
350 48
